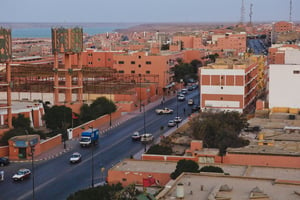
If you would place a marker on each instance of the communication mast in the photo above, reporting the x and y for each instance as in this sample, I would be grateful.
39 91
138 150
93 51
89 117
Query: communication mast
291 8
243 12
250 14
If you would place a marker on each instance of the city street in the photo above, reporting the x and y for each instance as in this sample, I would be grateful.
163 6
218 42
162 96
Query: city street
57 178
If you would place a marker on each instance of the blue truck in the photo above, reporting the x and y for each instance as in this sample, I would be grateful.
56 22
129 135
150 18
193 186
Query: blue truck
89 137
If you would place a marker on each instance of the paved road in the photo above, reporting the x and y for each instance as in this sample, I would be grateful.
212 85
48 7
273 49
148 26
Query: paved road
57 179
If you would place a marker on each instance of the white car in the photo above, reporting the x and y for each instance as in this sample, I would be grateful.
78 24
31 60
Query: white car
136 136
147 137
21 174
191 102
171 123
177 119
75 157
181 97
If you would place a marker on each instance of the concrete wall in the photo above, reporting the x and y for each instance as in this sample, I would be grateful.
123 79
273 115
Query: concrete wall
283 82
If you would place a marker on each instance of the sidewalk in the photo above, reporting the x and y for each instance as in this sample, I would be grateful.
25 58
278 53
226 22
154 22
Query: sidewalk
71 144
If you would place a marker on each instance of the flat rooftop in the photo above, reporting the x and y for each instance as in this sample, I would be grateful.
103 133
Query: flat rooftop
213 186
233 170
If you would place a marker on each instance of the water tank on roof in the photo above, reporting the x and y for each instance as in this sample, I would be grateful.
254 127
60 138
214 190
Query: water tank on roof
180 191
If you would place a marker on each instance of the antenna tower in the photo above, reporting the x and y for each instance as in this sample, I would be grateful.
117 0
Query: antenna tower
250 14
243 12
291 8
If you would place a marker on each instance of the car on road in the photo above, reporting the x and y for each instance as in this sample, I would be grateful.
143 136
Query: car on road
177 119
184 91
136 136
171 123
4 161
191 102
21 174
146 138
181 97
163 111
75 157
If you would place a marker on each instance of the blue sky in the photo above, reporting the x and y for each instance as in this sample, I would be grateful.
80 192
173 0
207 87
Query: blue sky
139 11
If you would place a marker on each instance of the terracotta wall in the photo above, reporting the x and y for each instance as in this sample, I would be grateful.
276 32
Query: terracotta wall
51 143
4 150
129 177
95 123
167 157
263 160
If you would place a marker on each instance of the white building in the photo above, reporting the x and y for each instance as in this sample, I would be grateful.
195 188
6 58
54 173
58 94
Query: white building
284 82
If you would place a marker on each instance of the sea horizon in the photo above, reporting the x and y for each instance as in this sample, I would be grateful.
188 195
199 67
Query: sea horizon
43 30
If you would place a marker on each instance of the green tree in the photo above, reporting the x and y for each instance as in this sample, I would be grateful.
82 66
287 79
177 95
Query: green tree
85 113
219 130
21 126
21 122
58 117
105 192
101 106
160 150
185 166
185 71
211 169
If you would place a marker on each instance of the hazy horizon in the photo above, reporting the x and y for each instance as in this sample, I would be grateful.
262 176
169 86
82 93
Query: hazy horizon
155 11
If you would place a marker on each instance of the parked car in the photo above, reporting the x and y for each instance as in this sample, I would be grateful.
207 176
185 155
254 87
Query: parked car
171 123
146 138
190 88
4 161
181 97
191 102
177 119
75 157
21 174
136 136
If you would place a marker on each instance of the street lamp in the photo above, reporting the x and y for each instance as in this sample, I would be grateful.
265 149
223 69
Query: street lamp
91 127
32 166
140 76
177 107
110 91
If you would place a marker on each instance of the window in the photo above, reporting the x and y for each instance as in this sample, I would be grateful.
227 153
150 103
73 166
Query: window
90 63
147 72
124 179
140 57
99 59
132 71
140 65
121 71
221 88
148 62
121 62
221 98
90 54
108 59
132 62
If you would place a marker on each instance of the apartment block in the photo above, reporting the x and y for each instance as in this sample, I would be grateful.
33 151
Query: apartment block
282 26
148 63
229 85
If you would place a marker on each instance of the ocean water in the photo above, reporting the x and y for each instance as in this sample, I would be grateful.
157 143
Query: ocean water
46 32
